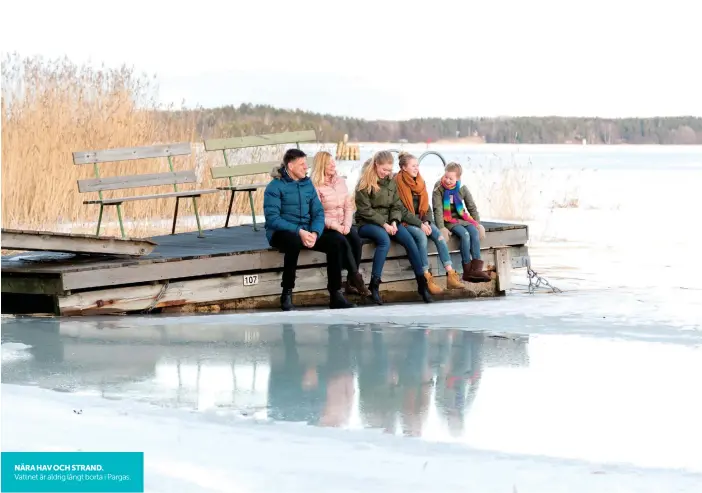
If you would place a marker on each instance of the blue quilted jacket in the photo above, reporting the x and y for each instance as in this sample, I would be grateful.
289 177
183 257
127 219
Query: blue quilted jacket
290 205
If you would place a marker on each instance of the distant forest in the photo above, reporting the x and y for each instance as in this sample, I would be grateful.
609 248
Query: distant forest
248 119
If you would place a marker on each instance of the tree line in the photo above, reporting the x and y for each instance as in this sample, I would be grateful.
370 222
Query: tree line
249 119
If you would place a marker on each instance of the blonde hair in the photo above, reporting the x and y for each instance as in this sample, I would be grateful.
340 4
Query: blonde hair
368 182
404 158
455 167
319 167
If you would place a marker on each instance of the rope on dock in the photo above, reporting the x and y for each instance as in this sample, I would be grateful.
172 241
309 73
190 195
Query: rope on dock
156 299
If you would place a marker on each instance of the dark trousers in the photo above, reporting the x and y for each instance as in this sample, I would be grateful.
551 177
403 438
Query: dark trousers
352 246
291 245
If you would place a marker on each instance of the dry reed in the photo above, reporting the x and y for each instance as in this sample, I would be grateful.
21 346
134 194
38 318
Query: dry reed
52 108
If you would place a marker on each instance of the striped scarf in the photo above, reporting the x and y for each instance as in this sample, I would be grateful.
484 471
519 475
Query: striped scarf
454 192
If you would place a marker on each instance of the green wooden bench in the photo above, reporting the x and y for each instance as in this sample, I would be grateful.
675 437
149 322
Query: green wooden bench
240 170
173 177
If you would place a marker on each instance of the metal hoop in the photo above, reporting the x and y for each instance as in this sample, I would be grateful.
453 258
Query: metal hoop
427 153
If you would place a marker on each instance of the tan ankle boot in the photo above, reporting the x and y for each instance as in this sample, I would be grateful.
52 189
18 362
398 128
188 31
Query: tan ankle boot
453 280
431 284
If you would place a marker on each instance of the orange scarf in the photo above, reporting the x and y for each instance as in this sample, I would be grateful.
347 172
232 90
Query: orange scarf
407 187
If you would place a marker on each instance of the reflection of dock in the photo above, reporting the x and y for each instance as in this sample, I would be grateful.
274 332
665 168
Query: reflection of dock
336 375
504 350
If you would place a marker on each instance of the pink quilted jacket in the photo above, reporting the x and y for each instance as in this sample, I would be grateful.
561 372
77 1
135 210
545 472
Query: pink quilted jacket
337 203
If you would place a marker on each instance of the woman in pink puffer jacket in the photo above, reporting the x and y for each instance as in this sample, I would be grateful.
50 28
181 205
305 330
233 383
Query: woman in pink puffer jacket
338 216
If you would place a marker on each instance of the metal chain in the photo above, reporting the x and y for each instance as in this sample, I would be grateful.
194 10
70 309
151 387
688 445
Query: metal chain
535 280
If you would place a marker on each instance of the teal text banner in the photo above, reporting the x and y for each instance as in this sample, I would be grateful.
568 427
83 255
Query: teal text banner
74 472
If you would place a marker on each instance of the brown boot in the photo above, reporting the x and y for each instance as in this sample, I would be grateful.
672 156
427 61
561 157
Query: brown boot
453 281
431 284
476 272
355 282
349 289
466 271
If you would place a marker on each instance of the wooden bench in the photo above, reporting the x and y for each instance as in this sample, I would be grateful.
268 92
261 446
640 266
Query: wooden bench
173 177
240 170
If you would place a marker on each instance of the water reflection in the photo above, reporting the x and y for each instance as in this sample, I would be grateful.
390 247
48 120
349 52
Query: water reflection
407 381
558 395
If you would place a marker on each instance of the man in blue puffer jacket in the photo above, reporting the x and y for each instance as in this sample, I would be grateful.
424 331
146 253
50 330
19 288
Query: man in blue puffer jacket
295 220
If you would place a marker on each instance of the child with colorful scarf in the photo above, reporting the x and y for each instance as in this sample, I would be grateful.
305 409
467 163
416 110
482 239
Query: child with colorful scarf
420 221
455 210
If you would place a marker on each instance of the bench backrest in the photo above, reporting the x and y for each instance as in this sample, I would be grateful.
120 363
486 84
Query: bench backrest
223 145
98 184
260 140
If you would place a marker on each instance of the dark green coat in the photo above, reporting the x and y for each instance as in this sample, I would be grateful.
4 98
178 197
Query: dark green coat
383 206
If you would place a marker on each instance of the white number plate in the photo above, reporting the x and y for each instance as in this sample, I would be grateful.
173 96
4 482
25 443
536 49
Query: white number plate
251 280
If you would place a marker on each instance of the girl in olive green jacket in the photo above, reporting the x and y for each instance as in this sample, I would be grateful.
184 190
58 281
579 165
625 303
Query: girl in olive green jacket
379 216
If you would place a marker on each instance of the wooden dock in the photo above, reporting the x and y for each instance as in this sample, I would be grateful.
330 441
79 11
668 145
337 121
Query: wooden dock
229 269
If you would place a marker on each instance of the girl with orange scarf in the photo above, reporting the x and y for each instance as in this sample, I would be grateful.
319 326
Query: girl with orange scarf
415 198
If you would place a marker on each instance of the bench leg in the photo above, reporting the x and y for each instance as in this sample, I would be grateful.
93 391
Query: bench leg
97 233
119 218
253 212
229 210
197 218
175 215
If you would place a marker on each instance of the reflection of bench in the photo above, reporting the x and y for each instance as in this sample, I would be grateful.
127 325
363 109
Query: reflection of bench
98 184
241 170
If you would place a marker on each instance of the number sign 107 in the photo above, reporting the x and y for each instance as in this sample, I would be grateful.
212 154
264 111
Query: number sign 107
251 280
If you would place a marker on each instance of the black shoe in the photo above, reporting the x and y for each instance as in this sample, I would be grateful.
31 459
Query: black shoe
374 288
423 289
286 303
337 300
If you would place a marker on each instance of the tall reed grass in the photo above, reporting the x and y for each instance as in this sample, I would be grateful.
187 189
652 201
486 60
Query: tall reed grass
52 108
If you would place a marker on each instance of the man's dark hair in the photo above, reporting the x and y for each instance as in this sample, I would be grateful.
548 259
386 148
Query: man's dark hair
292 155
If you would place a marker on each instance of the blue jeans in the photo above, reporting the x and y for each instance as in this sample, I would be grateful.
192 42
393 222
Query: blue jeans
421 238
470 241
381 238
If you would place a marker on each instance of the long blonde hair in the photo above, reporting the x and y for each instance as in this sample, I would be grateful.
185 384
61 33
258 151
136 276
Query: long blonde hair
319 166
368 182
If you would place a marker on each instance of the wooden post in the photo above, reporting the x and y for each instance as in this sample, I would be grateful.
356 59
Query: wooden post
503 268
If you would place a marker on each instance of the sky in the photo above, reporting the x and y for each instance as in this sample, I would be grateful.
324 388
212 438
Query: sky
387 59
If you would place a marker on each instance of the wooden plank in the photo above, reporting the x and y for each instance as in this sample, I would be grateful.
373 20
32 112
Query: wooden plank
214 289
69 243
244 169
252 187
136 181
260 140
130 153
189 193
31 285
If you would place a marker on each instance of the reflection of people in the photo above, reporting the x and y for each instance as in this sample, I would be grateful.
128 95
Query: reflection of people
416 383
376 382
292 390
339 380
460 385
